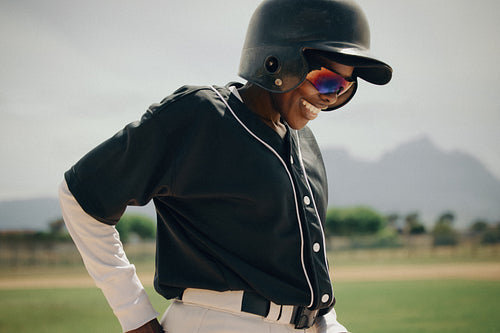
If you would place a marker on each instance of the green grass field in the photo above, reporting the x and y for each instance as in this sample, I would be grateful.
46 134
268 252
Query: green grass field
60 311
443 306
409 305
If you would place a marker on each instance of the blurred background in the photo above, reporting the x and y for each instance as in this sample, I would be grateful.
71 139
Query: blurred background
413 167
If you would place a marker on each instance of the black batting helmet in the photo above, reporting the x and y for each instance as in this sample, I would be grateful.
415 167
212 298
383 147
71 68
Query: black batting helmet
284 34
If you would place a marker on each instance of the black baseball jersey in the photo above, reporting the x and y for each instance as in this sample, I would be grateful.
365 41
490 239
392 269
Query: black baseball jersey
238 206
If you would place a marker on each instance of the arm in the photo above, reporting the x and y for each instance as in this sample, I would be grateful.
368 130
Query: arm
103 255
129 168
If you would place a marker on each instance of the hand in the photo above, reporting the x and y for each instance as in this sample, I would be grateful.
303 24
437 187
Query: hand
152 326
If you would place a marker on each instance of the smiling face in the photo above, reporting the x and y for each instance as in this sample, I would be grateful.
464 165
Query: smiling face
303 104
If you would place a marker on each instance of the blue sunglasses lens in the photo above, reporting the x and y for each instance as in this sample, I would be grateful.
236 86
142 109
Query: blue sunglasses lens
327 82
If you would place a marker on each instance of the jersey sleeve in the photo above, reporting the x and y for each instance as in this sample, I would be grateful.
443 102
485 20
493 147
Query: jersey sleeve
137 163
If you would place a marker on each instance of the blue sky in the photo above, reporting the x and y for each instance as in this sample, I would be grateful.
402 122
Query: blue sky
74 73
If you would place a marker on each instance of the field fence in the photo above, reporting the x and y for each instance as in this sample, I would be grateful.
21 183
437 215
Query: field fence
46 253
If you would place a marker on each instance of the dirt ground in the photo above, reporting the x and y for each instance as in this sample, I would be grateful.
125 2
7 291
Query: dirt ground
472 271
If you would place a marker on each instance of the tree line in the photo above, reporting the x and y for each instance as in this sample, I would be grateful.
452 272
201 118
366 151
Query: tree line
340 222
364 221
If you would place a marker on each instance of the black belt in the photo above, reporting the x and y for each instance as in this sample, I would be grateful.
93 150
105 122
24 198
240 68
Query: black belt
252 303
302 317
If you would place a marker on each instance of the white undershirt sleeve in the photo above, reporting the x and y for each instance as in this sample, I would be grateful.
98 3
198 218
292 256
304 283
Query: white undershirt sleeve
103 255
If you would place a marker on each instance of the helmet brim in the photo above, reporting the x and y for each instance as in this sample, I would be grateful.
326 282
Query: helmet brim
366 66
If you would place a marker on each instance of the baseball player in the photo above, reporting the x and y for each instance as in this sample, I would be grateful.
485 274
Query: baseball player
237 180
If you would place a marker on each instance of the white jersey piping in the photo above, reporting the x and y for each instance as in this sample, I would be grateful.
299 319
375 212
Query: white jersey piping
293 188
315 207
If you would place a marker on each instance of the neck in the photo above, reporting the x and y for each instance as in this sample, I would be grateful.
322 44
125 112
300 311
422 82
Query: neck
260 102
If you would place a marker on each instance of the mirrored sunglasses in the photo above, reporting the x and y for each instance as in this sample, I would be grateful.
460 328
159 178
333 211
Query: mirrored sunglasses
327 81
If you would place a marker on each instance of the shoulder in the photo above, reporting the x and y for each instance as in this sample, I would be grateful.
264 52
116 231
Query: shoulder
189 110
308 141
306 134
186 101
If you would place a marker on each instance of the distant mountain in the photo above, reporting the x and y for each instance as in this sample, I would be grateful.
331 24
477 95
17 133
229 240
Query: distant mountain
31 214
414 177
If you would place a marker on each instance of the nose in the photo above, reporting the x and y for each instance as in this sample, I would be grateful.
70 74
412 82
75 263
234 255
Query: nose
329 98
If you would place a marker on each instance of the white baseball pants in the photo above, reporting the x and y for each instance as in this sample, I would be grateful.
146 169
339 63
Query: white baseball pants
213 315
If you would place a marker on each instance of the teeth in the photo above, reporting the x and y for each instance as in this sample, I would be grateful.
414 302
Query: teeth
311 107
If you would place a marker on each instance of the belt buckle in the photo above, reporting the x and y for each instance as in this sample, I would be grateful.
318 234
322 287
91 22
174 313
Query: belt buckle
304 318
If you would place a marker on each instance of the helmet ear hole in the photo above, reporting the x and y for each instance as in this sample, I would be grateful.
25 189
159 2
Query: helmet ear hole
272 64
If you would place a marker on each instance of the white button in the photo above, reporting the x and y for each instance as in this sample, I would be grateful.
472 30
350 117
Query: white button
307 201
325 298
316 247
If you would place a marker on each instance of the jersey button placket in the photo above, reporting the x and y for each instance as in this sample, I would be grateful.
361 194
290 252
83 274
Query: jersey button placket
311 220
